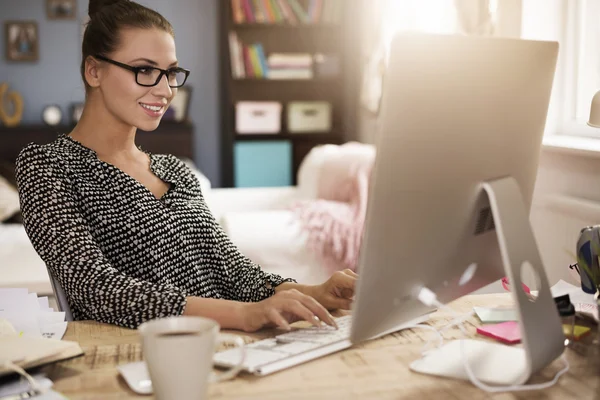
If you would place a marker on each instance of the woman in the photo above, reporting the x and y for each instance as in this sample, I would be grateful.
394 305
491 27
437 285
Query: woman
126 233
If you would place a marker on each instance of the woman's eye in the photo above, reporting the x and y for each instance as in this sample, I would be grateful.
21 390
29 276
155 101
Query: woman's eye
145 70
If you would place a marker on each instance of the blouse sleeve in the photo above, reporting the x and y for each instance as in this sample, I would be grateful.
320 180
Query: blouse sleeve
245 280
58 232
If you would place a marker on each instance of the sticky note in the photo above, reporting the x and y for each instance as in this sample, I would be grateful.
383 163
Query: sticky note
578 331
505 332
495 315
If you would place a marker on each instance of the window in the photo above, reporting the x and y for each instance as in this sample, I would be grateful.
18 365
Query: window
432 16
574 23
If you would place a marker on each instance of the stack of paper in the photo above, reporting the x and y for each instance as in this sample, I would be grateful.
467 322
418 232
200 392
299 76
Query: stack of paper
30 315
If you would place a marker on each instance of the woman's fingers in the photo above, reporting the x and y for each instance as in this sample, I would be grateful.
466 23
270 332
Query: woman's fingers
275 317
317 309
346 281
296 307
308 308
340 303
351 273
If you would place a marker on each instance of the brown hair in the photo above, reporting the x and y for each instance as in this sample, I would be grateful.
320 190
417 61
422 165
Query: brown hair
108 18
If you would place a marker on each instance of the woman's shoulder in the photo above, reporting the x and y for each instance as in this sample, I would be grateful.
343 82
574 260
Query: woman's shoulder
40 155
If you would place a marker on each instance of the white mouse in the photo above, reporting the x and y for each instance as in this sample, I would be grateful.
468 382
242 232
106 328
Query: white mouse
137 377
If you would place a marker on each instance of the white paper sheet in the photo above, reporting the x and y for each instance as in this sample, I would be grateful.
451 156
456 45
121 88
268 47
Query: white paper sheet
44 305
30 315
54 331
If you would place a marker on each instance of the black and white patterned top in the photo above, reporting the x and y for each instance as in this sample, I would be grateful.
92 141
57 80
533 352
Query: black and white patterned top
121 255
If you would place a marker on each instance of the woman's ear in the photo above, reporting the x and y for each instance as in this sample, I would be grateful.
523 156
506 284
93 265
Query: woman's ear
92 72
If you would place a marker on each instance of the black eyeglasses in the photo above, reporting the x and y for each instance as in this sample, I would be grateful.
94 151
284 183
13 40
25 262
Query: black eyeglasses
150 76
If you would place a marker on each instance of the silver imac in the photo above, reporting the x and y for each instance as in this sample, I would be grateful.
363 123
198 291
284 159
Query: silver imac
461 125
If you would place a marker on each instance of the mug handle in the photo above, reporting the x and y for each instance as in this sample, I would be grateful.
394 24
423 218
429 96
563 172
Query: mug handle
232 372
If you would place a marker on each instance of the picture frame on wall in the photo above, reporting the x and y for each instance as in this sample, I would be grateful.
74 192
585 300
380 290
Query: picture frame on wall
178 110
61 9
21 41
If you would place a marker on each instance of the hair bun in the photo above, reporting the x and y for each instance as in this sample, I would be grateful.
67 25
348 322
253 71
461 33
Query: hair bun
97 5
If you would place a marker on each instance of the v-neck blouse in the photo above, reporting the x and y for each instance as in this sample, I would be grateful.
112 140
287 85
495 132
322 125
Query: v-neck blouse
122 255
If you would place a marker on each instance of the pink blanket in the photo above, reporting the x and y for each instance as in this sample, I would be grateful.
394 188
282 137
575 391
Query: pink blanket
334 221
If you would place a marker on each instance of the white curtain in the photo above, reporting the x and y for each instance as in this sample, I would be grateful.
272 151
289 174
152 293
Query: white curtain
475 17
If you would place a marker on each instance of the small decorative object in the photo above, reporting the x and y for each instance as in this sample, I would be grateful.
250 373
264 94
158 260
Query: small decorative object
588 251
76 111
21 40
179 107
52 115
61 9
11 106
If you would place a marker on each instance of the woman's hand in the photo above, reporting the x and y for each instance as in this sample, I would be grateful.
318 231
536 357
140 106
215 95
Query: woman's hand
337 292
282 309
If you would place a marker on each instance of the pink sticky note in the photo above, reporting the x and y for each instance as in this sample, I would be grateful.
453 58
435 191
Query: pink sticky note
506 332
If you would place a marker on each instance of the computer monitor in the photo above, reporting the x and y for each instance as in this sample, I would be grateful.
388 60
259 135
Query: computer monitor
461 125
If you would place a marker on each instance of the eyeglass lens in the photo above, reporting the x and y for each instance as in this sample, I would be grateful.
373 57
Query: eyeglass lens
150 76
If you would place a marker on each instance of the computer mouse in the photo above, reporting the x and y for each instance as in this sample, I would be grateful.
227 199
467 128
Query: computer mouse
137 377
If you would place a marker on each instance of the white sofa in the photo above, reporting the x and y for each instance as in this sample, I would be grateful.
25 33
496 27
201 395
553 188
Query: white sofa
261 225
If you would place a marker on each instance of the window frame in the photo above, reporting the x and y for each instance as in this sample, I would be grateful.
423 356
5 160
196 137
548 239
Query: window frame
577 38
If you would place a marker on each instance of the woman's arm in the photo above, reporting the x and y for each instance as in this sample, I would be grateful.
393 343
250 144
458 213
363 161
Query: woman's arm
58 232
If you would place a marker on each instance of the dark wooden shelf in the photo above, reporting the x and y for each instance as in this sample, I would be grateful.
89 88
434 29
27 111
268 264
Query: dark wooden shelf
258 25
316 136
282 81
342 90
169 138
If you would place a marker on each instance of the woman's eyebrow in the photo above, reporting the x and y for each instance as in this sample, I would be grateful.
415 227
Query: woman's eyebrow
154 63
146 60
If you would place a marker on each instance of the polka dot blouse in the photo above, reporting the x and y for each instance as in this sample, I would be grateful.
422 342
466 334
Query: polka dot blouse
121 255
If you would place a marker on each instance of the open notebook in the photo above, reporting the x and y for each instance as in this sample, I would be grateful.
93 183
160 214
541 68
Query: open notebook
29 352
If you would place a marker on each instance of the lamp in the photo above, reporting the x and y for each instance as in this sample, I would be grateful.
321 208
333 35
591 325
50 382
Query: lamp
594 120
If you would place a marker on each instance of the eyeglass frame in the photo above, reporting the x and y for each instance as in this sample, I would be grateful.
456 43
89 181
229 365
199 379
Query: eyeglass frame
136 70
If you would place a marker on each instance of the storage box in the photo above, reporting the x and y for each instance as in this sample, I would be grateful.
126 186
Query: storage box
262 163
258 117
311 116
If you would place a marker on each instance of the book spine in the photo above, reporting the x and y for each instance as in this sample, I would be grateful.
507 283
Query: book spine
248 11
237 11
259 15
287 11
263 59
300 13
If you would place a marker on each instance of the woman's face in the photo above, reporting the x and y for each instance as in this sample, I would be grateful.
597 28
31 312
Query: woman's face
132 104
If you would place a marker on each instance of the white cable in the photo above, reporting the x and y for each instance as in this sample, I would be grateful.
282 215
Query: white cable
429 298
430 328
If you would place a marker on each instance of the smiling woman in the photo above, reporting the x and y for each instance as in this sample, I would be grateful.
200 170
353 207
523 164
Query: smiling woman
127 234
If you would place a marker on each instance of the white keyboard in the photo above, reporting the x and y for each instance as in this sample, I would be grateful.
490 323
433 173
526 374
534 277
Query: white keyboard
291 348
296 347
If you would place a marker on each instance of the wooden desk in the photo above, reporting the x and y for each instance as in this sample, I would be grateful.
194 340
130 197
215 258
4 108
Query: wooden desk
375 370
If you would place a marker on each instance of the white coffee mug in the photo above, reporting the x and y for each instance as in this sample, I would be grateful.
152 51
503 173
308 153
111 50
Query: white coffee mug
179 355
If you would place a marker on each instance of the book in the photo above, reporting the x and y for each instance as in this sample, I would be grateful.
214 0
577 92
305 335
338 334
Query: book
29 352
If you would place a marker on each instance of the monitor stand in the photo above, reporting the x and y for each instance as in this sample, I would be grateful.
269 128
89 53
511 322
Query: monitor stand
542 337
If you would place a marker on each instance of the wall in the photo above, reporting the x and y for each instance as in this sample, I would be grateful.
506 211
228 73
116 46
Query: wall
55 78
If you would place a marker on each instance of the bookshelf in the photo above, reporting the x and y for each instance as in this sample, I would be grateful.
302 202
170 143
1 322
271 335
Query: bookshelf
251 46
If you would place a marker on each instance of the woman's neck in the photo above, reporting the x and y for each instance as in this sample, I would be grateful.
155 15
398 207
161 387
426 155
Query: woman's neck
100 131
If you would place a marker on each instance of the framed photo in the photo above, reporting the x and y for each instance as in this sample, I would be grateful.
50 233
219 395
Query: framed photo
179 109
76 111
21 40
61 9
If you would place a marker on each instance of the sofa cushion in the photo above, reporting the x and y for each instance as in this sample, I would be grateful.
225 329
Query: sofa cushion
9 200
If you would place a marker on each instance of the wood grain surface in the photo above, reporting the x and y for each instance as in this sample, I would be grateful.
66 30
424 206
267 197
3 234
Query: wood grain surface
378 369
